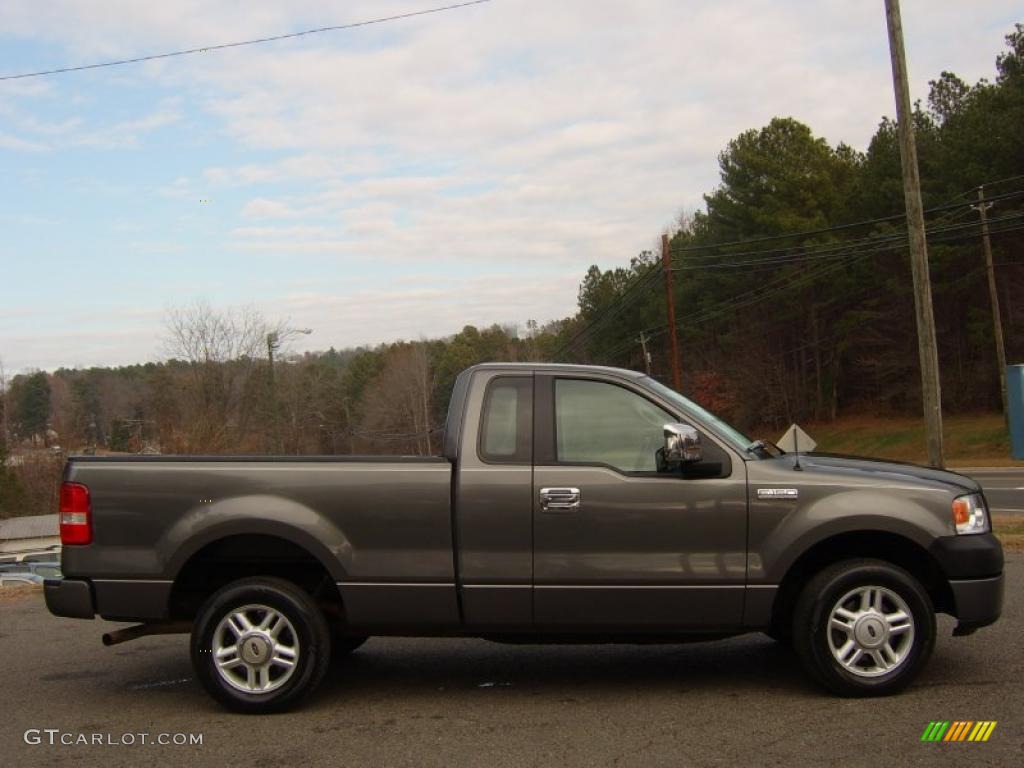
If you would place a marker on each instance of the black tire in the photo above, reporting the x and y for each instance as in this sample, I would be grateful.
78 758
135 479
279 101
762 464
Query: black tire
814 637
304 633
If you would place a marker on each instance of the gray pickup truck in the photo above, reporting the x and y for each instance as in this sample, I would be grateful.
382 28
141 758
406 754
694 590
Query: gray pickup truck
571 504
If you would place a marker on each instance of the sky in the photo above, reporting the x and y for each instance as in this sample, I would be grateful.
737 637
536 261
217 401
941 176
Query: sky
399 180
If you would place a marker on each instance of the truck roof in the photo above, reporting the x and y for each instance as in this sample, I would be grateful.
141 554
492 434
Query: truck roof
559 367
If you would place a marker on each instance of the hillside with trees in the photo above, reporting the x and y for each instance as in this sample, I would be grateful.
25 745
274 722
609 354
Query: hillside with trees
793 301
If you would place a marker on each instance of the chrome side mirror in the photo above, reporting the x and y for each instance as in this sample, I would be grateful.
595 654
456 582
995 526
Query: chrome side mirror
682 444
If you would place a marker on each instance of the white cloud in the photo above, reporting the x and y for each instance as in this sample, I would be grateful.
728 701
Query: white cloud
262 208
514 143
126 134
19 144
432 309
181 187
75 131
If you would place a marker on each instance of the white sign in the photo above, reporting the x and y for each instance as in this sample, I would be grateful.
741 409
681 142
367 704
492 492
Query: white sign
796 438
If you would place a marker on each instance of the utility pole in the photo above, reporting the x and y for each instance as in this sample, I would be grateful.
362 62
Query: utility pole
647 355
348 428
997 322
271 343
670 305
926 343
3 411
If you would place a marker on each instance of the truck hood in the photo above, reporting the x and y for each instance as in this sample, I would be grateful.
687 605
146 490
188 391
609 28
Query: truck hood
892 469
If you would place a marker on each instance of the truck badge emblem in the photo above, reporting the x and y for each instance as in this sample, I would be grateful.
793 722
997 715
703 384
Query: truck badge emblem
777 493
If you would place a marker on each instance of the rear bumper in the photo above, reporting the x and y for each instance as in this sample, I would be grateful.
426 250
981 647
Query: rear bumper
113 599
70 598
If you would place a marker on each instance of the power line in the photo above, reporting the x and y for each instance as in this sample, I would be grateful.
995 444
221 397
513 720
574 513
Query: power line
985 184
819 252
827 229
616 309
1002 181
222 46
828 250
793 254
868 289
621 304
811 277
749 298
783 282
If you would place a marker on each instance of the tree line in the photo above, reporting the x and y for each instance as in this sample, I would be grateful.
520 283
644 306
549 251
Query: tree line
792 285
792 291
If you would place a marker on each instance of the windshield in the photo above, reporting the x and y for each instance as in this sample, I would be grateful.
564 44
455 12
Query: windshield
722 428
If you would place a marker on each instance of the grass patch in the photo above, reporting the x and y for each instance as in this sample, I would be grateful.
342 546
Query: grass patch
14 594
970 440
1009 529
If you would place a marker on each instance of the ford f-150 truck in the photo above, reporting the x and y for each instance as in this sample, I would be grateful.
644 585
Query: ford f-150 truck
570 504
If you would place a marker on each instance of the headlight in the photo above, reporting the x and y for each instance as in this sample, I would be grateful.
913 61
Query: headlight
970 515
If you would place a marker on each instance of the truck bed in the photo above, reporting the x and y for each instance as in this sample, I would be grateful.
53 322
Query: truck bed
374 522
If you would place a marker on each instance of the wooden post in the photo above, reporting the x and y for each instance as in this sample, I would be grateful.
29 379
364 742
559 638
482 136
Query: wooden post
670 307
997 322
272 339
927 348
647 355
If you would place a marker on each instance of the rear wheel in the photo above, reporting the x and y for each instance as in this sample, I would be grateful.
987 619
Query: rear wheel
260 645
864 628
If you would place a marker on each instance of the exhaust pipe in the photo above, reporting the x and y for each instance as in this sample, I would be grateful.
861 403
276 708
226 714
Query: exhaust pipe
141 630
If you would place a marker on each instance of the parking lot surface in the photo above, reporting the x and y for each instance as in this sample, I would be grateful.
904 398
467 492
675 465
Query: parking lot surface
459 702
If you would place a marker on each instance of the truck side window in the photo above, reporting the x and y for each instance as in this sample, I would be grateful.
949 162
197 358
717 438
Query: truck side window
506 427
599 423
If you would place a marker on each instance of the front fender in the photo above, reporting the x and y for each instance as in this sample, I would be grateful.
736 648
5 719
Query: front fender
777 546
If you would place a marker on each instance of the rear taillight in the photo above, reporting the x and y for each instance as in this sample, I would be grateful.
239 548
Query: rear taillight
75 514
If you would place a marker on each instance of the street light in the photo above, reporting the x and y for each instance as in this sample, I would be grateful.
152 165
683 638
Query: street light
274 339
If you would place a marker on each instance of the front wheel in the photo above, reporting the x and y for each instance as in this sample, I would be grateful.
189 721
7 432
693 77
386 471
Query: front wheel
864 628
260 645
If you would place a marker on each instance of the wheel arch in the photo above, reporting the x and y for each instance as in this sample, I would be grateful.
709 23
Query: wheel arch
216 560
887 546
255 514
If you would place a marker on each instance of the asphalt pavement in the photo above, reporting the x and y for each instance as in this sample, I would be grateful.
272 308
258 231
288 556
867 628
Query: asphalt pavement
463 702
1004 488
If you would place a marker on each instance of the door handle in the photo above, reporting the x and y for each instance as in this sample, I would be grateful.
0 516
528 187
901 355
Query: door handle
559 499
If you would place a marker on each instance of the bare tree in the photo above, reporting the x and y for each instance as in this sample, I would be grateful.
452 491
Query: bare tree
221 348
198 333
3 405
397 405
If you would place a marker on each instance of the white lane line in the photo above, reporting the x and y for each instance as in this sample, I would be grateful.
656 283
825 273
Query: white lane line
987 470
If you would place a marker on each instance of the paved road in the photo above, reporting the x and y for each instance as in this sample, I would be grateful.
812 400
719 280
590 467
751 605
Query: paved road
1004 488
397 702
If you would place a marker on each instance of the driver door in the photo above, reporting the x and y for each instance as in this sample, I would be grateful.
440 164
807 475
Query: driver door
618 546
